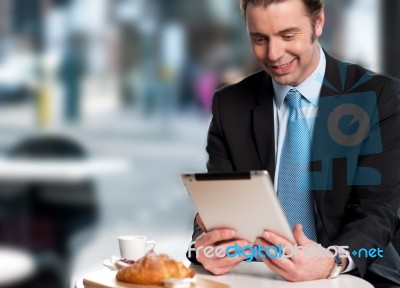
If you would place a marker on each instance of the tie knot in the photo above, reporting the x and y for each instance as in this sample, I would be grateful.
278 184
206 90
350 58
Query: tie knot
293 99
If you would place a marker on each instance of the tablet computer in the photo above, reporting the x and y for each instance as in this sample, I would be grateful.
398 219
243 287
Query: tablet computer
246 202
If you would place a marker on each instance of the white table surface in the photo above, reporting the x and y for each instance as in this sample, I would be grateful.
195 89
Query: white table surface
15 265
256 274
60 170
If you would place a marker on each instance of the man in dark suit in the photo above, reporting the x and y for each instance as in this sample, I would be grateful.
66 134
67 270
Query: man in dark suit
355 161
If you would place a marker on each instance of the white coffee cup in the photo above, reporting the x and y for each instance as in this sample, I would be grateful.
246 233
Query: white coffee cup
134 247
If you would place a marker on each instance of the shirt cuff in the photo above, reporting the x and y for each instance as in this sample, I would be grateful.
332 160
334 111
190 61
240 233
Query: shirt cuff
351 266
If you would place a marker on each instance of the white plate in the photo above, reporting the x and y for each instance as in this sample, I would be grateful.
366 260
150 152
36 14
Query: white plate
179 282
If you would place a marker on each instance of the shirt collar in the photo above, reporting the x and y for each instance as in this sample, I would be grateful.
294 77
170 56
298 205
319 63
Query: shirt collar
310 88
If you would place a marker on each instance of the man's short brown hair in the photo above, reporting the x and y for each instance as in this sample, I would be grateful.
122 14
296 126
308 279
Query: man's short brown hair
312 7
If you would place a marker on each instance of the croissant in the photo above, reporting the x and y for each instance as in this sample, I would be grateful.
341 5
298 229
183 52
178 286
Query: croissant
153 269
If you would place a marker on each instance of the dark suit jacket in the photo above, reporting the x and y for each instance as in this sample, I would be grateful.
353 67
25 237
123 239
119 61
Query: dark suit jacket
241 138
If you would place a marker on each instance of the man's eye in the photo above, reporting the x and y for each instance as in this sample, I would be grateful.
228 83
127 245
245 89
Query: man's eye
288 37
258 40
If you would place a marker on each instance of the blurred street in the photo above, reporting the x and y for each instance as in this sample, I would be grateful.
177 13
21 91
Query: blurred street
148 199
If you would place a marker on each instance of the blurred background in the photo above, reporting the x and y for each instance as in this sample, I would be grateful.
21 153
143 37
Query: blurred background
132 81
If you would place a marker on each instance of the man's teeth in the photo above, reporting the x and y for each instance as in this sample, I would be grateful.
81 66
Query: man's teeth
284 65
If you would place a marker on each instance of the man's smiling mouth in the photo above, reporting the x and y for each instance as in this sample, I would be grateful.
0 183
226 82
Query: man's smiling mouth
282 66
282 69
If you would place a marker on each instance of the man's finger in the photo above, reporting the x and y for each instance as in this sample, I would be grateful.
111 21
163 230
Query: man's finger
225 262
275 268
214 236
299 236
272 258
220 250
222 270
276 239
233 245
200 223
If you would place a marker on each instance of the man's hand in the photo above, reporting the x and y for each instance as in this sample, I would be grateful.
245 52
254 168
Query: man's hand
217 238
299 267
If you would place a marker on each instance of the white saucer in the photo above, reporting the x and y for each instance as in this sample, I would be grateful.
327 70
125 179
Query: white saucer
114 264
107 263
110 263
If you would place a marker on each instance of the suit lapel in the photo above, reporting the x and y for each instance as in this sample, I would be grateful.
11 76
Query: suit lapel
263 126
330 81
330 85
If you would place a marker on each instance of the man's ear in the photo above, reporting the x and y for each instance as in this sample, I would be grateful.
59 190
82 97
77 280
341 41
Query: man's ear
319 23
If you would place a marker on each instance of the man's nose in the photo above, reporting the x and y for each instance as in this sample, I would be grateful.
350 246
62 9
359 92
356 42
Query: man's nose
275 50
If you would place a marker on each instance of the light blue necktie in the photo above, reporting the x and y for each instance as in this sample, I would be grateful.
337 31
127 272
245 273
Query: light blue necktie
294 181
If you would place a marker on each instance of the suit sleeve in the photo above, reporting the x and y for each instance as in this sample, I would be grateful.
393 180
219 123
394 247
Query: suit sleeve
218 159
218 153
373 212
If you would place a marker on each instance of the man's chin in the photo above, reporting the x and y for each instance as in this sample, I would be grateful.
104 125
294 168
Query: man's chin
283 80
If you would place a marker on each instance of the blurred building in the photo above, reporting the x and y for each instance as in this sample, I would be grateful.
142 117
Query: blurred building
159 56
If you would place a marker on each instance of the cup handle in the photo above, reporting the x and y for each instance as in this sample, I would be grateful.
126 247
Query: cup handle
150 242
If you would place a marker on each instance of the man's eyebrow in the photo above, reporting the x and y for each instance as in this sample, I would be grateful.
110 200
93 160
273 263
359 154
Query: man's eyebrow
290 30
284 31
256 34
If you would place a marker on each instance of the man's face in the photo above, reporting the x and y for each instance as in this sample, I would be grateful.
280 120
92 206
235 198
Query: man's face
281 37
